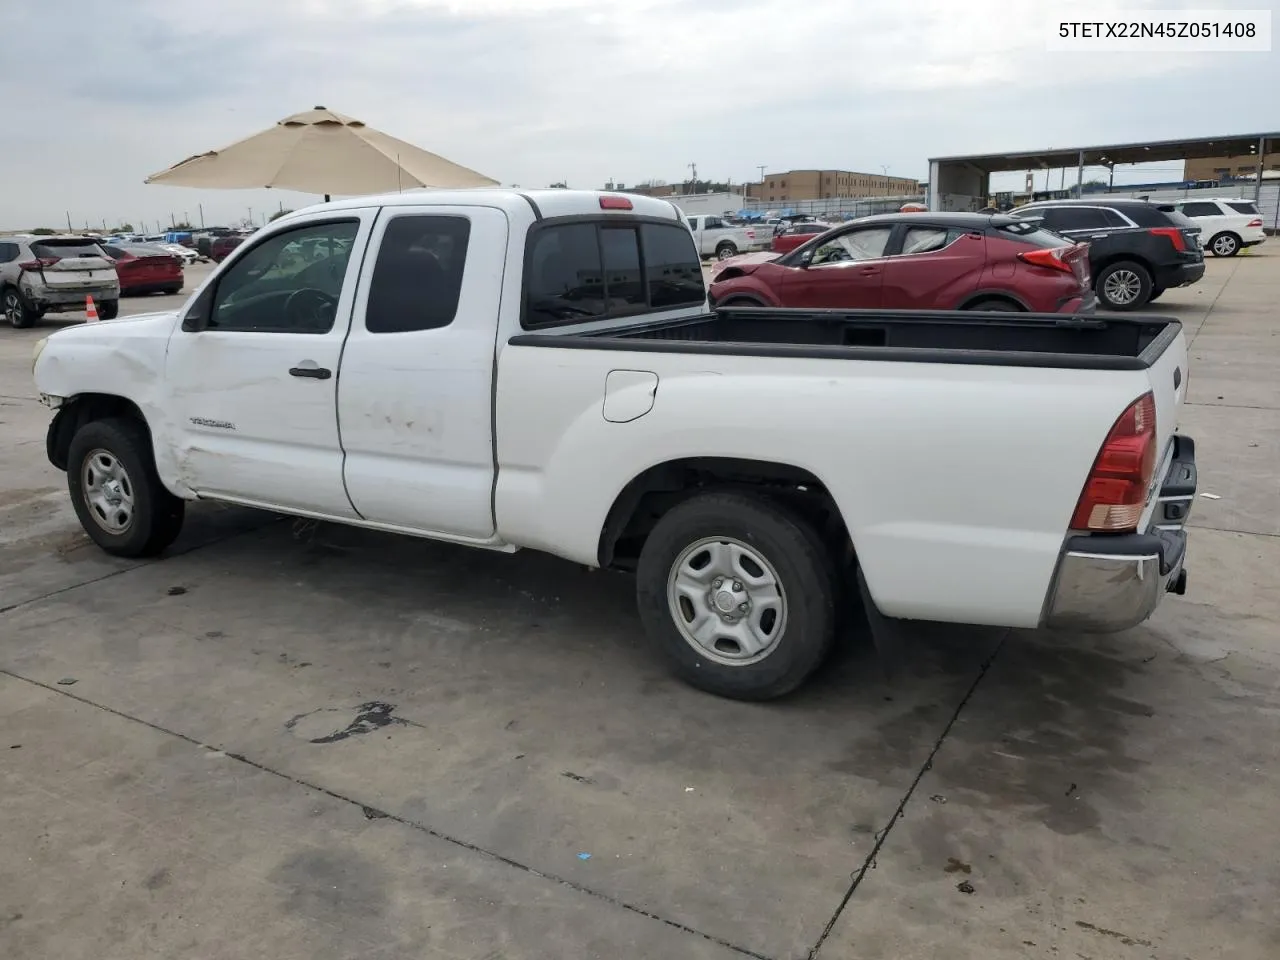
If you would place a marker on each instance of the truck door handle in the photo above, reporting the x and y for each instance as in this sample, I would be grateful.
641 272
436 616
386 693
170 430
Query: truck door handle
315 373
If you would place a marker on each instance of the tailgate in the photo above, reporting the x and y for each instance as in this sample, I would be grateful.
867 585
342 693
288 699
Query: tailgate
79 272
71 263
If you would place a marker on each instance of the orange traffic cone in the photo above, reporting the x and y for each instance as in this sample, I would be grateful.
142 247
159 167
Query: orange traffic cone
90 310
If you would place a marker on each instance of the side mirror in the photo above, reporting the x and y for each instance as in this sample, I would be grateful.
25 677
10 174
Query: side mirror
804 260
197 315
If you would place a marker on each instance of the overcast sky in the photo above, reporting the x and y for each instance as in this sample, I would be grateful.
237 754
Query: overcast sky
99 95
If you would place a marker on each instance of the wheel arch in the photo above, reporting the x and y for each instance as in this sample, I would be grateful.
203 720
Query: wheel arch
1115 258
86 408
654 491
983 296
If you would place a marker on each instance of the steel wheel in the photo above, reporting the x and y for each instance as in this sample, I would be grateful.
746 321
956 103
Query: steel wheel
108 491
727 601
1122 287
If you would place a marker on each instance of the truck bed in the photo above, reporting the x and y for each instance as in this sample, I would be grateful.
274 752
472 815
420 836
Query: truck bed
1000 339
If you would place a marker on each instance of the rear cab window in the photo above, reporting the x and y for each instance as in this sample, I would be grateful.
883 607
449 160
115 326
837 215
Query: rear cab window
601 268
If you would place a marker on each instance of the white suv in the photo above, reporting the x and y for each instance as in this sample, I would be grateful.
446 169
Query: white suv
40 275
1226 225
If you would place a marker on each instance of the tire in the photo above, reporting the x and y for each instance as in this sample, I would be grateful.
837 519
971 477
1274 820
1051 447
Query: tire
1225 244
108 309
740 302
726 250
1124 285
1155 294
100 452
767 540
17 310
170 291
999 306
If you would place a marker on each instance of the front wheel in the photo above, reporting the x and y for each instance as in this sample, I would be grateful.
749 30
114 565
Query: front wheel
1225 245
1125 285
725 251
116 492
17 310
737 594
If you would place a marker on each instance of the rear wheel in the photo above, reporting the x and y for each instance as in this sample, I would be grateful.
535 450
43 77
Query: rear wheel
121 503
1225 245
1124 285
108 309
737 593
170 291
726 250
17 310
1155 294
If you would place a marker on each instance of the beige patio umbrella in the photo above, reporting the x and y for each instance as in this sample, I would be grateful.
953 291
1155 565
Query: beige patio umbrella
320 151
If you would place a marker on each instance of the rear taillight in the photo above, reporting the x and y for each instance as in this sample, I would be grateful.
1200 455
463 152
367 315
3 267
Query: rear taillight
1174 235
1116 492
1256 222
1051 258
38 264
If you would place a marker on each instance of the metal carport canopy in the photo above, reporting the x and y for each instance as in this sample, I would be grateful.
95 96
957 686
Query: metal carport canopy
955 182
1156 150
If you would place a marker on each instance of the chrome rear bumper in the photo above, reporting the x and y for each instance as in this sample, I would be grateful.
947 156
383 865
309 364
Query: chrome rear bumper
1105 583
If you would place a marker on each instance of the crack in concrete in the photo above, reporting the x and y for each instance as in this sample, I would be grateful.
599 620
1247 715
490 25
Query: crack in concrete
883 835
371 813
137 566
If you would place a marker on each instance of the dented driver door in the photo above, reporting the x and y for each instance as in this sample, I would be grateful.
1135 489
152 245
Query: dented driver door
252 370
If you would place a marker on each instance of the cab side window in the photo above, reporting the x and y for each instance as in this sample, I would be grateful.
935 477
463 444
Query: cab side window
288 283
417 278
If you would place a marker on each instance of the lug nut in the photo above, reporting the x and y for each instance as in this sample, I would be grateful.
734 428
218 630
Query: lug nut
717 582
737 586
742 607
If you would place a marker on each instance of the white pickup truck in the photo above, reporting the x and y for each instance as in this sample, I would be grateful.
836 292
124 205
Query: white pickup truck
539 370
715 237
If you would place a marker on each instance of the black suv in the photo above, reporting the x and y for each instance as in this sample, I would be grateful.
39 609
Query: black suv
1137 249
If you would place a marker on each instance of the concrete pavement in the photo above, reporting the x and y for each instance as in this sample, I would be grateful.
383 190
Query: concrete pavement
318 742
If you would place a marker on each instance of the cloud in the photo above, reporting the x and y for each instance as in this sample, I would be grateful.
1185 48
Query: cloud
535 91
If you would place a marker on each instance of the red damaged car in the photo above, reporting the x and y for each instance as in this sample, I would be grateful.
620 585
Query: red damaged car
918 261
143 269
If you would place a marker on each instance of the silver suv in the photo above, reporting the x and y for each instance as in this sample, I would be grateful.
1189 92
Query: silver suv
40 275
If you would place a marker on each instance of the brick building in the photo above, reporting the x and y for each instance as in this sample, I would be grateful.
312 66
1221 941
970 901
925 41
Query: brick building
795 185
1216 168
